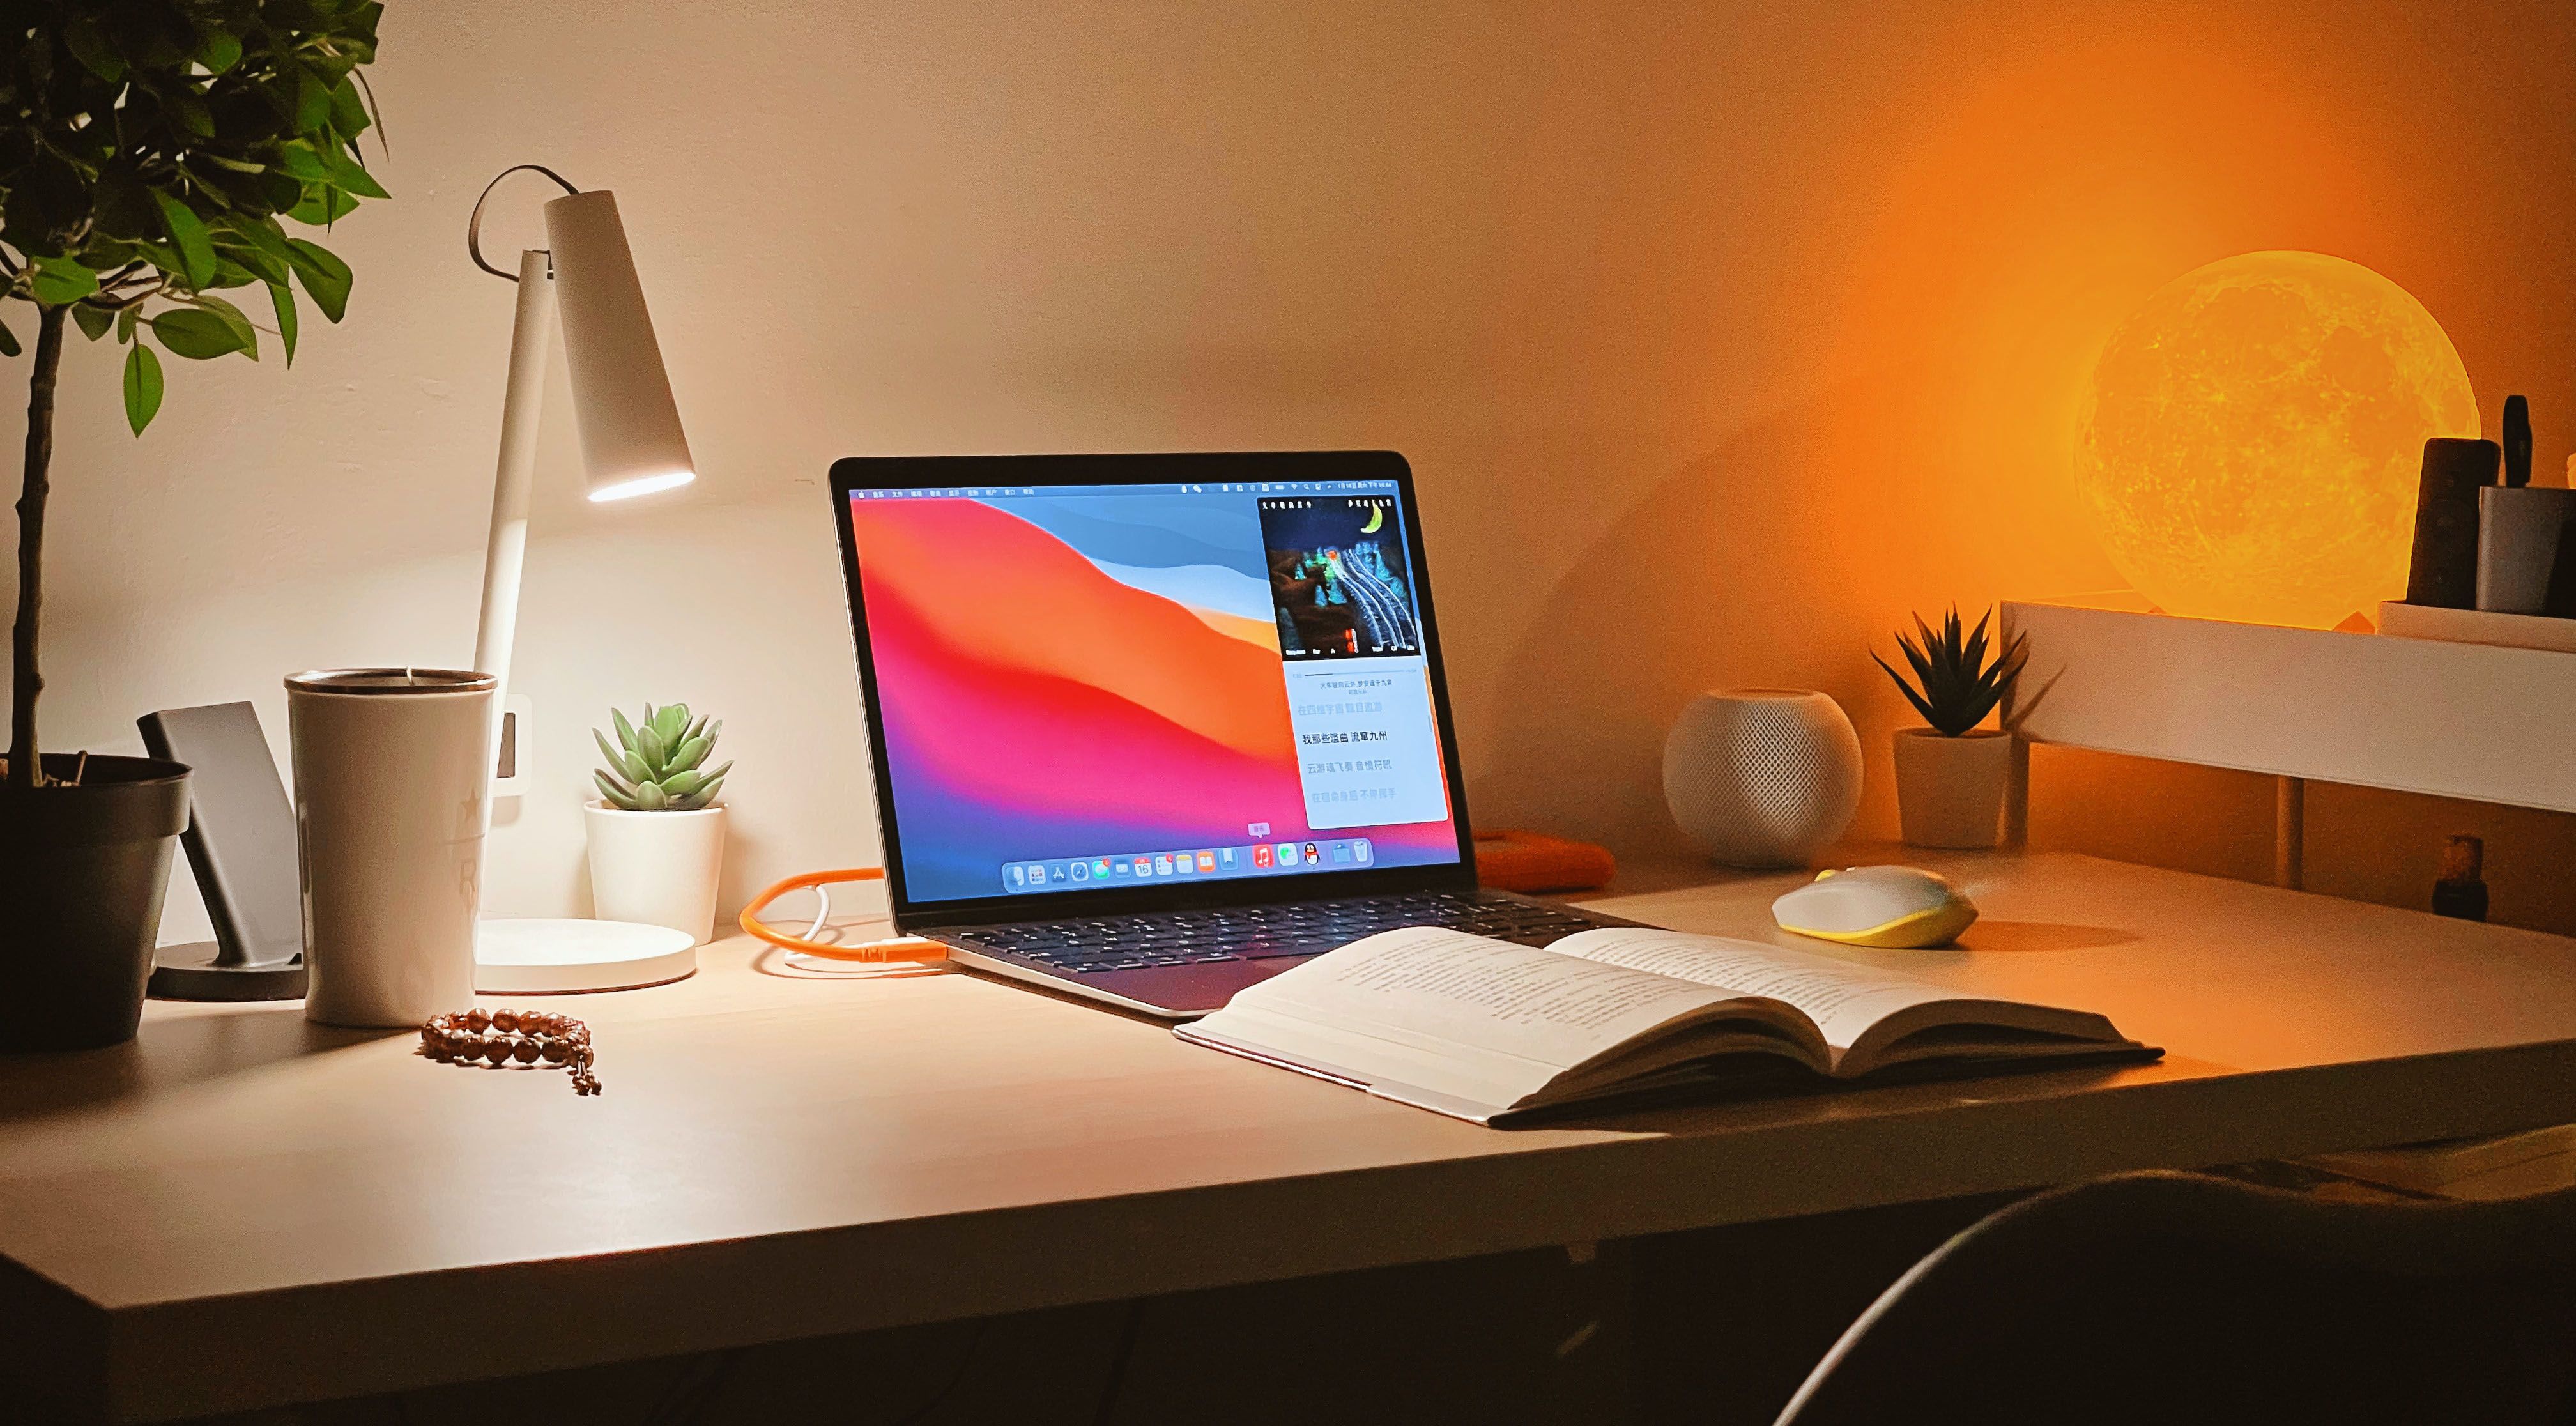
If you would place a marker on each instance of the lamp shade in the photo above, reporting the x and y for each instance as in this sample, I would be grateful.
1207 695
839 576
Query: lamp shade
631 441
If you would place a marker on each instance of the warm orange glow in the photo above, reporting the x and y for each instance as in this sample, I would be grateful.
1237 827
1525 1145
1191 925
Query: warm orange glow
2250 440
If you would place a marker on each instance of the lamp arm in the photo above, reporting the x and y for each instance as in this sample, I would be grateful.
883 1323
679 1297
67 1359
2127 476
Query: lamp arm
532 332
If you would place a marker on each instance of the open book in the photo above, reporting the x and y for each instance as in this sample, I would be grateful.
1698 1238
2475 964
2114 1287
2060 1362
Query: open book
1483 1029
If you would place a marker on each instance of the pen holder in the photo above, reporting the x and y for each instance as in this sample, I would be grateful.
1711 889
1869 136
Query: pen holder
2523 532
392 768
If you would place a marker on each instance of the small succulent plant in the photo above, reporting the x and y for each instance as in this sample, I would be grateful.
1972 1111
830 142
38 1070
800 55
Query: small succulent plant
657 763
1955 687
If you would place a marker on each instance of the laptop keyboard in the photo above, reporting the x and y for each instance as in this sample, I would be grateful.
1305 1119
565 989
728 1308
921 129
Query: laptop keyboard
1300 928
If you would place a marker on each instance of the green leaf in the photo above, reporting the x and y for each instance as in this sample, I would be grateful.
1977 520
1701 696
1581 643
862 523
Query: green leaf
296 159
614 797
266 267
671 722
348 109
322 205
142 387
616 758
188 231
312 102
9 341
125 318
350 178
197 334
89 45
94 321
60 281
326 278
625 730
690 754
650 747
190 112
218 51
239 321
681 784
705 794
282 297
649 797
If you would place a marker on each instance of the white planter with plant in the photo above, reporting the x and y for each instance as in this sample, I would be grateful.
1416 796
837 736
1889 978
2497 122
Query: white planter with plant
1952 777
657 835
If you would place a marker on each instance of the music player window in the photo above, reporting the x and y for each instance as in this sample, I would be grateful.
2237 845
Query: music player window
1359 692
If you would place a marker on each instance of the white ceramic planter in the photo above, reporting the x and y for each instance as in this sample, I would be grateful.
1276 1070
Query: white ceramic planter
1950 791
657 868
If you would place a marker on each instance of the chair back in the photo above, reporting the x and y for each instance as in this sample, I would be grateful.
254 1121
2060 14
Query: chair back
2171 1297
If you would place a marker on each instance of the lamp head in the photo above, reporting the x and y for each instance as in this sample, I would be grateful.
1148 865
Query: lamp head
631 441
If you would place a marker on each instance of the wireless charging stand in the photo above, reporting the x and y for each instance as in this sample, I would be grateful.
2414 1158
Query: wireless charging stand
241 847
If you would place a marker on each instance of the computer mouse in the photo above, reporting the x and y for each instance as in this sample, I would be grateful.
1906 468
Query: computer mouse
1887 906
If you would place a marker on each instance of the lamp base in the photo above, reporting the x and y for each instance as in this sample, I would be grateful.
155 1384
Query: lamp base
557 957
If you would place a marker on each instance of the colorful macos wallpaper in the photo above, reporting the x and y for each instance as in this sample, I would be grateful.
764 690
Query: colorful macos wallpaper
1086 686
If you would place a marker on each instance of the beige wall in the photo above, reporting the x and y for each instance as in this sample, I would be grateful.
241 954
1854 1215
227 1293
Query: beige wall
1720 335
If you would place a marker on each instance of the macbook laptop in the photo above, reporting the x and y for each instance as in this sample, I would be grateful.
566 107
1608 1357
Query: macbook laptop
1151 728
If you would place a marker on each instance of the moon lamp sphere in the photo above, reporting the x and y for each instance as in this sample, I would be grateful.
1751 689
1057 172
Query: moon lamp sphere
2251 438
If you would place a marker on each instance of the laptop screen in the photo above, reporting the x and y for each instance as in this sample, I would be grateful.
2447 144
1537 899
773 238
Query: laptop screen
1095 687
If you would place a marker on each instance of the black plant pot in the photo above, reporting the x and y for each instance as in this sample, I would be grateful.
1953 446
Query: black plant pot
82 870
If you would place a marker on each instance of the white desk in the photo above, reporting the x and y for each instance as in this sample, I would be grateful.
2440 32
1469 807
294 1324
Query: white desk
240 1210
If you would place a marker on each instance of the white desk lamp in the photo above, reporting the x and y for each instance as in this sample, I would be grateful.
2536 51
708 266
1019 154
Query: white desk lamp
631 444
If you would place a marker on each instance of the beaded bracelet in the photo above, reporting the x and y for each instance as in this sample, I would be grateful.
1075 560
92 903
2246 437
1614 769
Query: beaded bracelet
517 1036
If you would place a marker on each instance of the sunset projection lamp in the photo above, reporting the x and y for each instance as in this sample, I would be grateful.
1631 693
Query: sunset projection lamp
584 282
2249 442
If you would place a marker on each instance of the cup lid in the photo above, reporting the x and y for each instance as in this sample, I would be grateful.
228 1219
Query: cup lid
391 680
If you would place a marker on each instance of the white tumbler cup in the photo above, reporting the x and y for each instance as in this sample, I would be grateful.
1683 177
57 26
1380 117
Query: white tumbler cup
392 766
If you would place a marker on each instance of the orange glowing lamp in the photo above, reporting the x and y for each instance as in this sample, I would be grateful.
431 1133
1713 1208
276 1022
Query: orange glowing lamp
2251 438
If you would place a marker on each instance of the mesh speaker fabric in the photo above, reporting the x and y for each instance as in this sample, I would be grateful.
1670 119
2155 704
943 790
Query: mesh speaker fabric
1762 777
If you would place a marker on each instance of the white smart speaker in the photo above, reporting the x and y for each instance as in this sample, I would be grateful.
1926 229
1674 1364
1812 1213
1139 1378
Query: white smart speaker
1762 777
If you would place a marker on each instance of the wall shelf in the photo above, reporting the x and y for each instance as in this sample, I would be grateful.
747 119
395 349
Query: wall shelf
2466 720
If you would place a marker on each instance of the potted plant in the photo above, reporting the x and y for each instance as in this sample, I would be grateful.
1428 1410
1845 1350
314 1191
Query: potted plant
657 833
1952 776
147 151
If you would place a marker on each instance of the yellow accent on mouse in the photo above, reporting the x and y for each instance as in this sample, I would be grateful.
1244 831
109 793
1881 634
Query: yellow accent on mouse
1886 907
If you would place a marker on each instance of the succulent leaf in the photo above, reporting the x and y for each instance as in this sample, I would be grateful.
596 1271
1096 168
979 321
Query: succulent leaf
657 762
1955 683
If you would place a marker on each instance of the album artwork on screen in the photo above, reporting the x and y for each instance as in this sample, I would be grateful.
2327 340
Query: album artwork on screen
1337 577
1089 687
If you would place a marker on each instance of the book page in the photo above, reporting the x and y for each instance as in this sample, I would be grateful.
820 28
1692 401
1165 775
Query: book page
1844 1000
1522 1000
1475 1019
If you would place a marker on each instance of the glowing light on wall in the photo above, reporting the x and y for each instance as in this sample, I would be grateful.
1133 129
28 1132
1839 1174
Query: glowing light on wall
2250 439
